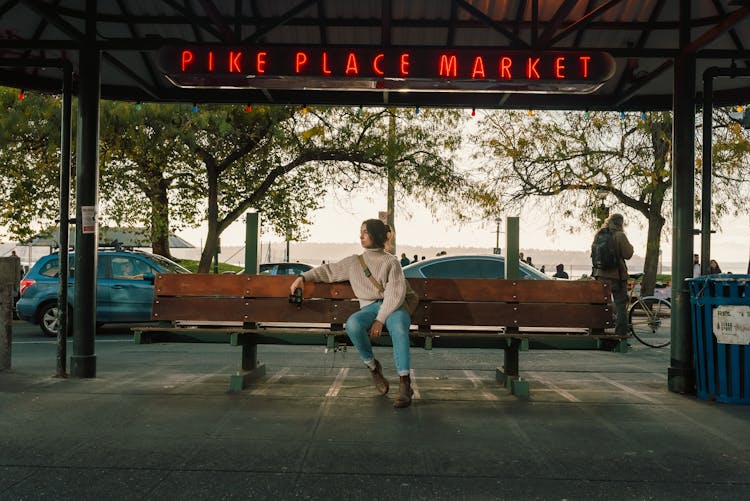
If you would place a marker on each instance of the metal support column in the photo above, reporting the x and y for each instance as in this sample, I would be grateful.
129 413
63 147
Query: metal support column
83 360
681 372
65 151
252 242
512 268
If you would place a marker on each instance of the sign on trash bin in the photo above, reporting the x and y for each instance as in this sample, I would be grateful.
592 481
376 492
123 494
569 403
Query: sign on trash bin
732 324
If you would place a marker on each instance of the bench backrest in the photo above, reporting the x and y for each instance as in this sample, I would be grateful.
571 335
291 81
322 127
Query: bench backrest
478 302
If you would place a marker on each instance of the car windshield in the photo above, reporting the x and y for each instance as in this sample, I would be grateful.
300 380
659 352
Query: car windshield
169 266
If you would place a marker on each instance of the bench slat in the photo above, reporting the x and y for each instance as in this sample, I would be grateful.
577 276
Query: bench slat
512 291
434 289
515 315
211 285
252 310
334 311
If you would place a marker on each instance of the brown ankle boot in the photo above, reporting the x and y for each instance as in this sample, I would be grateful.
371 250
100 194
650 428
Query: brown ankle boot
381 383
404 393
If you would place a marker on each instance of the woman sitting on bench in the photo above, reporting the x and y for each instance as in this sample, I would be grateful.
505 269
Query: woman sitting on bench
379 284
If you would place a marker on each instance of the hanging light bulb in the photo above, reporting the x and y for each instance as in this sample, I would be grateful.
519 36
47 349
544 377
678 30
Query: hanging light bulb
740 108
21 95
473 112
359 110
304 109
643 115
248 108
195 108
138 106
530 113
586 114
622 115
416 110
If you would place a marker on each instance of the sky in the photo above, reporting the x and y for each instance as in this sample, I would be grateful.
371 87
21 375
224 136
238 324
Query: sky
339 222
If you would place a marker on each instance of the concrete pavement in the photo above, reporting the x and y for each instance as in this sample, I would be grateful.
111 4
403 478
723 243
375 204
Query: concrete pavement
158 423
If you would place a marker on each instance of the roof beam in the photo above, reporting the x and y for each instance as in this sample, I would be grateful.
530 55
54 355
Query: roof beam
721 27
385 26
732 32
133 29
519 18
641 82
481 16
290 14
195 22
451 39
48 13
140 82
557 19
322 20
583 22
227 35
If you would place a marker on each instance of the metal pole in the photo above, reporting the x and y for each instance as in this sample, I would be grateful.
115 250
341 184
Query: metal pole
512 268
681 372
252 242
62 292
708 90
391 161
83 360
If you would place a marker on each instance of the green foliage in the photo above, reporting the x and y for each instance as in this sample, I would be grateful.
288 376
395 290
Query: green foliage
29 154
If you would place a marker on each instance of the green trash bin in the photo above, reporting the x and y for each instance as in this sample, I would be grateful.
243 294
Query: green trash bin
721 337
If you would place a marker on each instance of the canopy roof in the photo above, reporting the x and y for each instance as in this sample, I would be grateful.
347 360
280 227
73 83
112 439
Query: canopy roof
641 35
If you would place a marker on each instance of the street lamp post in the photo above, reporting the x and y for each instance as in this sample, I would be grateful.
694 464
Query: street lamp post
498 220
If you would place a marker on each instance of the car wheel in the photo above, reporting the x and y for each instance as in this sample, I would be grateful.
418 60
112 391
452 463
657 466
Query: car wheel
49 319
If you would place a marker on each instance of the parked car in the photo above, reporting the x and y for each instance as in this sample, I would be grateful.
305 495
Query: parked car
468 266
124 288
282 268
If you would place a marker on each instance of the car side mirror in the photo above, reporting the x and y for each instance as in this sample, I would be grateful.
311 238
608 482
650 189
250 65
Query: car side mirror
149 277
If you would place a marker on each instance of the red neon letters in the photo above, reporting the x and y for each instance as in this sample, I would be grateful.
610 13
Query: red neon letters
336 62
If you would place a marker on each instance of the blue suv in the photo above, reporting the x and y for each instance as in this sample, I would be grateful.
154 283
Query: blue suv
124 288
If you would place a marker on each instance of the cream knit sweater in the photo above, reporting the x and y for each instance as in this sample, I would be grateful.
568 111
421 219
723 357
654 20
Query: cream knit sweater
385 268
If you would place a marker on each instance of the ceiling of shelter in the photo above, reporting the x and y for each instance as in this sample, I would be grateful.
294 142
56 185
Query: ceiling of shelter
641 35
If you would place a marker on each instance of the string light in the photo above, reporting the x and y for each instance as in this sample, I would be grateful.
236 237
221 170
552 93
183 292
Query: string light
21 95
622 115
740 108
248 108
304 109
416 110
359 111
473 112
643 115
138 106
530 113
586 114
195 108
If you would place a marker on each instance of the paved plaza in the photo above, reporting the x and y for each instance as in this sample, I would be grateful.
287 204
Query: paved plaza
158 423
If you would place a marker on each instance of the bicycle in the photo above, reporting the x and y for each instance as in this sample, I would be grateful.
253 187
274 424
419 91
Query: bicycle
649 317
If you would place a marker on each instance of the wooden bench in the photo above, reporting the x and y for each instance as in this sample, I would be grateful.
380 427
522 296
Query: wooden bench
247 310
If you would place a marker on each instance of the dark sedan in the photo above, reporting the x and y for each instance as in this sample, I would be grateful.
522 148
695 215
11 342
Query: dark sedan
468 266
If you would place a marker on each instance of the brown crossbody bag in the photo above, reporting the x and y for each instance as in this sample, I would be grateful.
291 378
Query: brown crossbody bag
411 300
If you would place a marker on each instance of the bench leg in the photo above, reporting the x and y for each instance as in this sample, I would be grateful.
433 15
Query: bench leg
250 369
140 337
508 374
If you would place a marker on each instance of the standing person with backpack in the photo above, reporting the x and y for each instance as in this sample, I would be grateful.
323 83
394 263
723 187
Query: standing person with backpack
608 254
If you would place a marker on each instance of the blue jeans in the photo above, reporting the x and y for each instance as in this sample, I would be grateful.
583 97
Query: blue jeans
358 328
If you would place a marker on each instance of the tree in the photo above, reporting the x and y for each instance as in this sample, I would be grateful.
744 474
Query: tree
30 159
575 160
283 159
143 154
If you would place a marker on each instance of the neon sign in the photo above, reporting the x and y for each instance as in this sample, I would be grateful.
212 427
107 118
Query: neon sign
376 68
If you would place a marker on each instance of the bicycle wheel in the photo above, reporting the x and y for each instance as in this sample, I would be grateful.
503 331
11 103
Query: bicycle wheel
650 321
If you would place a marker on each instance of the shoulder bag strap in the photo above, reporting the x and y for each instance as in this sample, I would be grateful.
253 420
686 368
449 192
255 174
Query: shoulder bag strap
368 273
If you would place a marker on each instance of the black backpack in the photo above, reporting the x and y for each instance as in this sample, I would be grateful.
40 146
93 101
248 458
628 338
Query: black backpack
603 252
